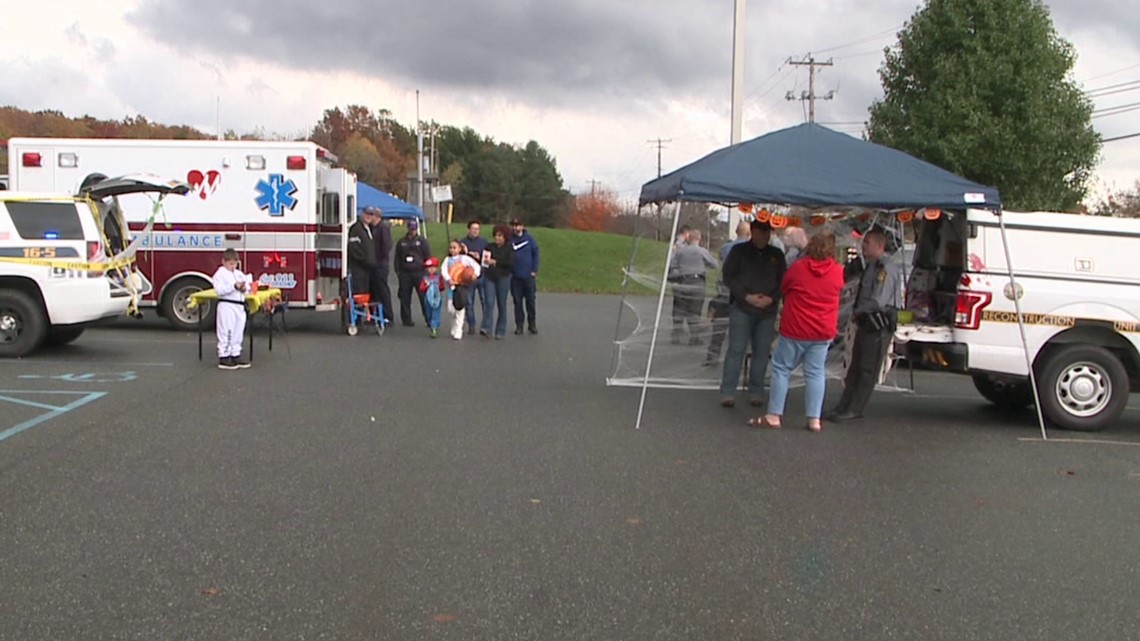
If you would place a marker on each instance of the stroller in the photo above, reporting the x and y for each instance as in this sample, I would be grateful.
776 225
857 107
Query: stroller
358 309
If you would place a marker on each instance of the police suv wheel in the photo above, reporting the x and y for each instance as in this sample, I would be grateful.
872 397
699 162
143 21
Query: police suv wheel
1082 387
23 324
62 335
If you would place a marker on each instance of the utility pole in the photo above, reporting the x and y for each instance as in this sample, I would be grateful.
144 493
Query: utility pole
660 143
594 186
419 155
809 95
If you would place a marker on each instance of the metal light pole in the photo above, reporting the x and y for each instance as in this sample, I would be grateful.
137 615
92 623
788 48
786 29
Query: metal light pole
738 24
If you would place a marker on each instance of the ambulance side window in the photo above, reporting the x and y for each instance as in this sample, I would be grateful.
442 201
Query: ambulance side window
330 209
351 209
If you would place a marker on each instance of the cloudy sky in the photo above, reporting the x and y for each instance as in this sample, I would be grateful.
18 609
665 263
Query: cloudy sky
591 80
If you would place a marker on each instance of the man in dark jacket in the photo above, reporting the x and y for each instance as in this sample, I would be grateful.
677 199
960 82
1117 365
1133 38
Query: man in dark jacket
474 244
362 252
523 276
753 272
411 252
382 239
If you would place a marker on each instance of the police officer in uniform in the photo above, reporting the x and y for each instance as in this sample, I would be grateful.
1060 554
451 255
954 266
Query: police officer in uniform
411 252
875 315
362 252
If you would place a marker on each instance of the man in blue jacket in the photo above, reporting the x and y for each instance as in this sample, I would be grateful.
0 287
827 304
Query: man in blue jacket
523 276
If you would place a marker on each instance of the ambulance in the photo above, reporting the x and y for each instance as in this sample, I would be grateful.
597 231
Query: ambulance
284 206
1078 289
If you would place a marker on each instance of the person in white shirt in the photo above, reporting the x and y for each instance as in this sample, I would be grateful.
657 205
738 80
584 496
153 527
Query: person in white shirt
231 285
460 271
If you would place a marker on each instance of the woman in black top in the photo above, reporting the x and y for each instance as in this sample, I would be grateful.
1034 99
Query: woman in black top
497 261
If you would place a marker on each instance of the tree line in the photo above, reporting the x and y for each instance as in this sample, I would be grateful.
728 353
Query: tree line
490 180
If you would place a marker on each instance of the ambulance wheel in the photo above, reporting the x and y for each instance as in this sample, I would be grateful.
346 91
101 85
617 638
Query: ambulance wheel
1082 387
63 335
1007 394
176 304
23 323
353 330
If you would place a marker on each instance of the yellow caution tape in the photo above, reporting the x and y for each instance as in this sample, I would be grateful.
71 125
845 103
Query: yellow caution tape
73 265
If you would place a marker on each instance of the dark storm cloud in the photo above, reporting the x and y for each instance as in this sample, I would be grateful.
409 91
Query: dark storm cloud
550 51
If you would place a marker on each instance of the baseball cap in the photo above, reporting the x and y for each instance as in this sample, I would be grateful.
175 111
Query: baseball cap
375 211
431 262
515 221
413 224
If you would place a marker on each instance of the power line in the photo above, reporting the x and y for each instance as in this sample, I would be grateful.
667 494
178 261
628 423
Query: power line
891 31
1120 84
1116 110
1112 73
1124 137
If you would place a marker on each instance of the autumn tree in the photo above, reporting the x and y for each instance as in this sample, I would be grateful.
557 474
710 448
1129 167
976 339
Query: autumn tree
1124 203
594 211
982 88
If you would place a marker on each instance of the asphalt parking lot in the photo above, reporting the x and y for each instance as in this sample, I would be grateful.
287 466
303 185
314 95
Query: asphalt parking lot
400 487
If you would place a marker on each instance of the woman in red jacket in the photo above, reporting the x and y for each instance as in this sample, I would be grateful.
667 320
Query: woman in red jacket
808 324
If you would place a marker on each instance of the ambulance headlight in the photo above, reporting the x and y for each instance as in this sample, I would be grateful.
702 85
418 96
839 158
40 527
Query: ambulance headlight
256 163
68 160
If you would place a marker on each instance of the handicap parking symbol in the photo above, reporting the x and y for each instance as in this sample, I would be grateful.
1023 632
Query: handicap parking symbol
101 377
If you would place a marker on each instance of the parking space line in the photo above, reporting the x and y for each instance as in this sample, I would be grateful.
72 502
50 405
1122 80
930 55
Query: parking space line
23 401
26 362
55 410
1093 441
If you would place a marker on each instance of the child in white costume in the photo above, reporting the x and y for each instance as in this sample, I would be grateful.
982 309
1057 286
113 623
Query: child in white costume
230 284
459 272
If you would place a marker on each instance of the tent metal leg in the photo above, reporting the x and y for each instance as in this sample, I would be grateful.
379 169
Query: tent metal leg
657 319
1016 291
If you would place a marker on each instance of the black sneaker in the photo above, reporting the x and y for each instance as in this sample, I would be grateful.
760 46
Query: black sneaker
533 329
239 363
227 363
518 331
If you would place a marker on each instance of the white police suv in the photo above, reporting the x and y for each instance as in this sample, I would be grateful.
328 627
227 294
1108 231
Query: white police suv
54 261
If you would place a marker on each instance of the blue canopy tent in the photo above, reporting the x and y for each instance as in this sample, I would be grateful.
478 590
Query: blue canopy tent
369 196
812 166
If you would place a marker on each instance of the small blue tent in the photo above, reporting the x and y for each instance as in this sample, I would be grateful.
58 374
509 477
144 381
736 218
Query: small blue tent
815 166
369 196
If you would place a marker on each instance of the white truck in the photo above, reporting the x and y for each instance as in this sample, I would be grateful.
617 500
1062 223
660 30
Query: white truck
1079 292
284 206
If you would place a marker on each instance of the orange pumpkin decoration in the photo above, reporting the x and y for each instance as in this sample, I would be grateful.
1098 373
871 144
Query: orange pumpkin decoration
905 216
816 221
745 208
795 221
779 222
932 213
763 216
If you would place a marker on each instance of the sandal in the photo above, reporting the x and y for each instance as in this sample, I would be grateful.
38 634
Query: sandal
762 421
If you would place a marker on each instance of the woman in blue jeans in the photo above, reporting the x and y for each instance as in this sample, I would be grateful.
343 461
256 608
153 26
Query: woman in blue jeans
498 259
808 323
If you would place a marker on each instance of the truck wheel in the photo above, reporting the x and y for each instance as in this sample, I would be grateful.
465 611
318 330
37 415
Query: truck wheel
1082 387
176 300
63 335
1005 393
23 324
